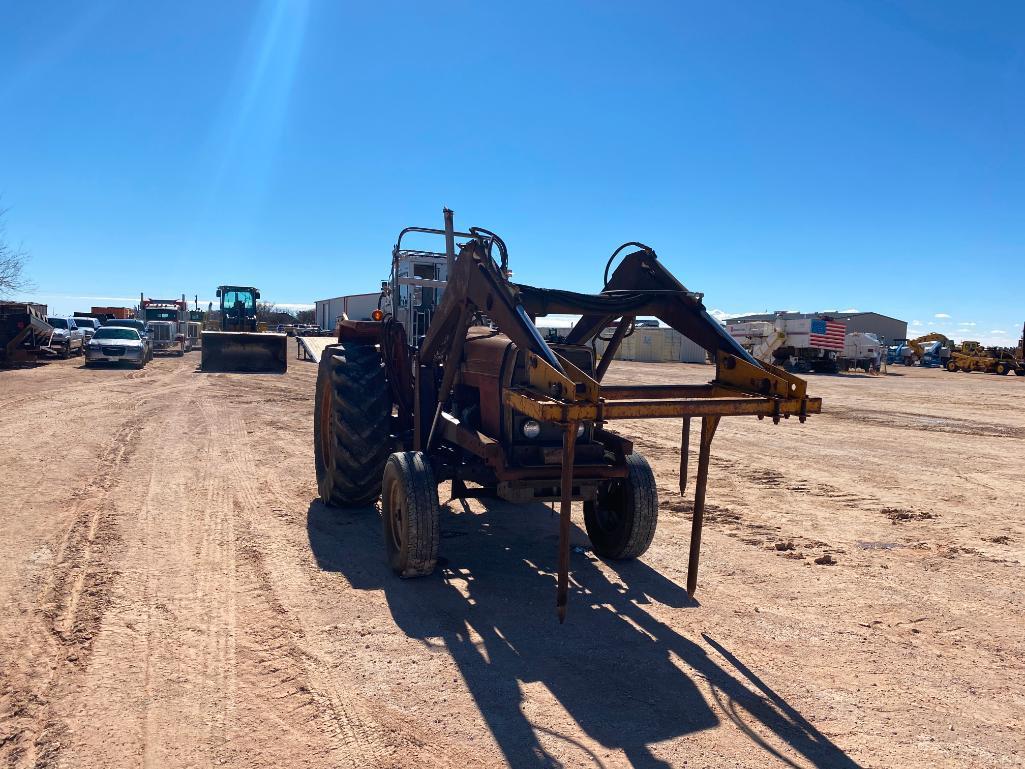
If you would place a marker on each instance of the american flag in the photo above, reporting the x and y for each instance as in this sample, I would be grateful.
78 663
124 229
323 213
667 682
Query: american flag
828 334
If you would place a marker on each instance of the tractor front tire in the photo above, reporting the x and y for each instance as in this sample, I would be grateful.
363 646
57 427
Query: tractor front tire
351 425
1000 369
951 366
410 514
621 521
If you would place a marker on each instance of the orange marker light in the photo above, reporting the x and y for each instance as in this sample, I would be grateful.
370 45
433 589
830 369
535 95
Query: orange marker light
377 315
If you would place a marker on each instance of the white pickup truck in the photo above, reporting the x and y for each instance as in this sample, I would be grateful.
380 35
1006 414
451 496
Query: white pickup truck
67 338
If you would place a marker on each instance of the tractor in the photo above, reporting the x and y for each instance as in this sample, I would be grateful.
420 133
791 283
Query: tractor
239 345
451 382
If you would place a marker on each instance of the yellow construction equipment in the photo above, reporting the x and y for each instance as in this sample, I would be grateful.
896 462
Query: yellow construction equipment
239 345
972 356
914 349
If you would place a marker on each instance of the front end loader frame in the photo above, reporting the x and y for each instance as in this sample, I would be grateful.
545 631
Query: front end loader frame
479 300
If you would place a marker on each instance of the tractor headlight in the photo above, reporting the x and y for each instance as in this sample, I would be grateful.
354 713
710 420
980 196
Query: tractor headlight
580 429
531 429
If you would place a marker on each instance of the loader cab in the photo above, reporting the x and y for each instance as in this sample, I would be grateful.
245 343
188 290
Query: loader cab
238 307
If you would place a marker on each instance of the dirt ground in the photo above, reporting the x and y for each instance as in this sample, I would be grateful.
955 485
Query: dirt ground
173 594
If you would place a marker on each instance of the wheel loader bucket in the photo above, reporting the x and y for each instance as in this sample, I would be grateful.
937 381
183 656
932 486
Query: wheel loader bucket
245 351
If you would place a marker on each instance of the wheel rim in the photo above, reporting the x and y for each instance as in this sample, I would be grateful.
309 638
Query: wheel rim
396 514
608 510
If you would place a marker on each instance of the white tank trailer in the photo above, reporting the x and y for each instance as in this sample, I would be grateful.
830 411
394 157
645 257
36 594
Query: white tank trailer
862 350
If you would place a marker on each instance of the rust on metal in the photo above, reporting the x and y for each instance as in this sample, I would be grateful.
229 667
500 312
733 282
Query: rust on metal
708 425
545 408
613 346
569 442
684 452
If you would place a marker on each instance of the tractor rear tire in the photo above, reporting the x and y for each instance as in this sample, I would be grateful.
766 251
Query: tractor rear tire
621 522
1000 369
410 514
351 425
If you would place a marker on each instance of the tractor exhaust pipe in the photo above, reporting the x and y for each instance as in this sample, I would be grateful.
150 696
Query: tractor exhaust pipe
450 242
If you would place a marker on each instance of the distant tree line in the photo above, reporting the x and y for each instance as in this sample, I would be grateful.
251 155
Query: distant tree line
268 312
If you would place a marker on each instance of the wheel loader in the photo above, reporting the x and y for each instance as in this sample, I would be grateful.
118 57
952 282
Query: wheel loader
238 345
451 382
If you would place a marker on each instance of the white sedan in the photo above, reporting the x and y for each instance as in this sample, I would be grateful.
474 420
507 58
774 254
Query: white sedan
116 344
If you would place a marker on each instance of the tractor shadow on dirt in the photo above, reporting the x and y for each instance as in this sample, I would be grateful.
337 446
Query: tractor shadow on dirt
615 669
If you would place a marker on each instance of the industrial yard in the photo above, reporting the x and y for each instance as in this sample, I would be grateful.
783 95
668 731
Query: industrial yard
175 594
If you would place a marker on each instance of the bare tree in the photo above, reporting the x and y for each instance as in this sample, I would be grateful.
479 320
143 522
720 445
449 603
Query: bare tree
265 311
306 316
12 263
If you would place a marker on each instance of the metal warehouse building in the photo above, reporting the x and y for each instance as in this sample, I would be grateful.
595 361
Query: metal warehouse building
355 307
648 345
644 344
883 326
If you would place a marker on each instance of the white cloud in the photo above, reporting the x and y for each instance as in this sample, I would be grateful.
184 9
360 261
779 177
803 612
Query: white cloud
88 297
293 305
998 332
916 323
851 309
967 323
722 316
941 315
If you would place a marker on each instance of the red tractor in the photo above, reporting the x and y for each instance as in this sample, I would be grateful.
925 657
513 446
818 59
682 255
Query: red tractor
451 382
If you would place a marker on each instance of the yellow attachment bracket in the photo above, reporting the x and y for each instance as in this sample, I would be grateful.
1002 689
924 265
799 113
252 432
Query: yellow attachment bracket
766 379
575 386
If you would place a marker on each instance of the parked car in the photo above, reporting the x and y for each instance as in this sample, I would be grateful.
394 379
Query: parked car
67 337
88 325
139 326
118 344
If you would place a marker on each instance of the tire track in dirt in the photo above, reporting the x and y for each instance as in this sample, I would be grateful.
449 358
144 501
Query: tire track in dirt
360 729
356 740
165 652
67 612
906 420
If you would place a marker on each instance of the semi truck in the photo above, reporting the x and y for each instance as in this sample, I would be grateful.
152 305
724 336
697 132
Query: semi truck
167 320
796 344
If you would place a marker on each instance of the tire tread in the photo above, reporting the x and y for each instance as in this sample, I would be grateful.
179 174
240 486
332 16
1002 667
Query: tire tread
360 425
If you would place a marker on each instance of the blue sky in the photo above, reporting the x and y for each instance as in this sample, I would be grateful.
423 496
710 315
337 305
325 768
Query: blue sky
790 155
